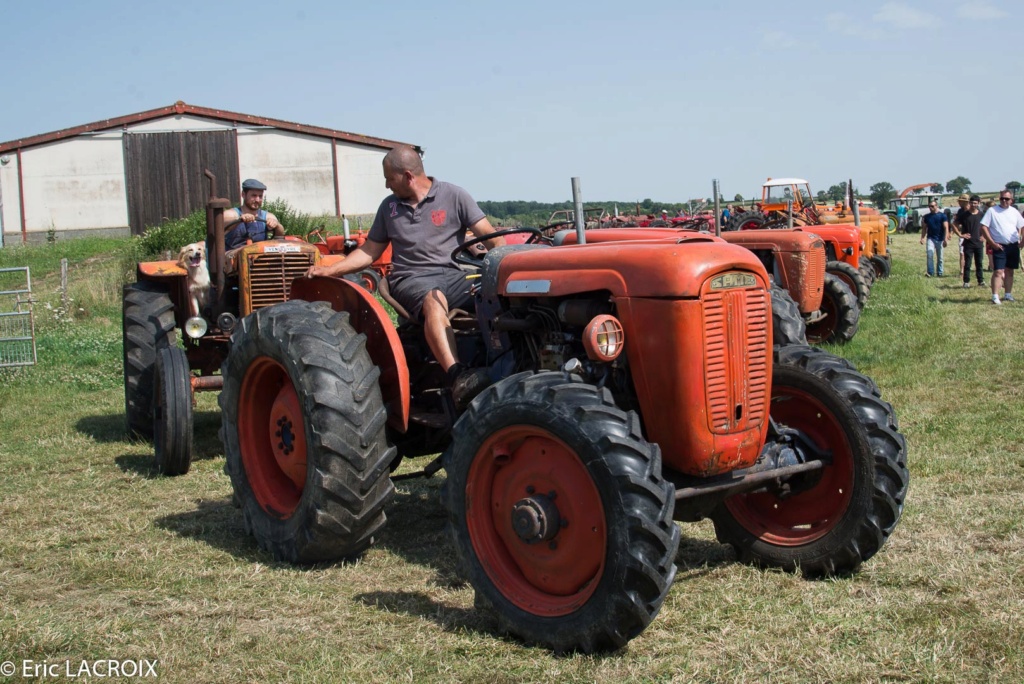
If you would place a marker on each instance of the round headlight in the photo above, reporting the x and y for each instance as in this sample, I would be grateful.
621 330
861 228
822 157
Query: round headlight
196 327
603 338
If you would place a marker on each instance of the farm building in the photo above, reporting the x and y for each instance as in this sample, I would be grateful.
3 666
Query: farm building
124 174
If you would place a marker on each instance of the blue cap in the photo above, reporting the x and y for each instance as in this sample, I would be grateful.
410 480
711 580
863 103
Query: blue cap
252 184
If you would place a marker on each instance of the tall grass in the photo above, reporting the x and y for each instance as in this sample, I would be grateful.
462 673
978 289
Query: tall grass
100 558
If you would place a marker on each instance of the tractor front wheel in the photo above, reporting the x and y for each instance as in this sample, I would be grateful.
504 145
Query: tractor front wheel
172 412
560 516
787 324
881 265
147 326
852 278
831 521
304 433
841 314
867 270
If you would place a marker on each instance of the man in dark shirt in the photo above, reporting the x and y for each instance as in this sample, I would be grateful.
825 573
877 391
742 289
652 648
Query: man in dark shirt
934 229
423 219
968 226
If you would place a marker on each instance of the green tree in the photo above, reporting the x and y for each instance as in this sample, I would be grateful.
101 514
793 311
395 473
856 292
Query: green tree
881 193
822 196
739 197
958 185
1014 187
936 188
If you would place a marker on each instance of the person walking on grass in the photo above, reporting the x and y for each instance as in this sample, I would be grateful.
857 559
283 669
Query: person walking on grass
934 229
901 216
964 200
968 225
1001 227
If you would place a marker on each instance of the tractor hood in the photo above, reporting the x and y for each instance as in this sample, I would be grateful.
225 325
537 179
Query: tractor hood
675 267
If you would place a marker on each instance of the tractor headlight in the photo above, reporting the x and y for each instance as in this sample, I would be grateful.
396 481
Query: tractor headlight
603 338
196 327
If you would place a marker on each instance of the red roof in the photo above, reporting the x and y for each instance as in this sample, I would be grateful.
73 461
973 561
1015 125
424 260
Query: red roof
180 107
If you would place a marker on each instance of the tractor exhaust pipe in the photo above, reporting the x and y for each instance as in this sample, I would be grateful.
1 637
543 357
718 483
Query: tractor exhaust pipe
718 207
577 202
215 207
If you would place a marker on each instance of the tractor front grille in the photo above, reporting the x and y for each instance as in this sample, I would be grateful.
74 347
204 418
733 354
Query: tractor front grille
271 276
816 268
736 324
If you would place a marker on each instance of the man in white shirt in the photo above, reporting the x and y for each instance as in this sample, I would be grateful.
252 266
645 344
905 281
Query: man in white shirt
1001 227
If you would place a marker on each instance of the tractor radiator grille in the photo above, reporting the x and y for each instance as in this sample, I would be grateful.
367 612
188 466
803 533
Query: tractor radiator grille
736 330
271 276
815 269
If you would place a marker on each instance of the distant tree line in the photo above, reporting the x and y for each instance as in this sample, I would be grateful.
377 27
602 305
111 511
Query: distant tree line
524 213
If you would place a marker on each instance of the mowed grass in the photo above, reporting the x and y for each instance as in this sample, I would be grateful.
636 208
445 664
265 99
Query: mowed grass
100 558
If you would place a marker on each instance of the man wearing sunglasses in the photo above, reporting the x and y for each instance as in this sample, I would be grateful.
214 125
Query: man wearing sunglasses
1001 225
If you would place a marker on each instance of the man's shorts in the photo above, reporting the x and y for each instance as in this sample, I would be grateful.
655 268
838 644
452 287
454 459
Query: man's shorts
1007 257
411 290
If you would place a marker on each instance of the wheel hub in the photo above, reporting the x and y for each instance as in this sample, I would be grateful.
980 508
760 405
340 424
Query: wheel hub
536 518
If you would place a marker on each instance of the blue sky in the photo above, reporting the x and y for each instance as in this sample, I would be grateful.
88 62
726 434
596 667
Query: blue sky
511 100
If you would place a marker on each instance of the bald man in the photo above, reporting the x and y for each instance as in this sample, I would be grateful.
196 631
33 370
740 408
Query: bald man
423 220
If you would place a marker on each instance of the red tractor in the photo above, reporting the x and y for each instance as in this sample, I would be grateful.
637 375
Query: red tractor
161 377
634 384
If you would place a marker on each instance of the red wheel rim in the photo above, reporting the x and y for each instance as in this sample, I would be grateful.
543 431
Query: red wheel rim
272 437
369 283
809 515
515 467
823 329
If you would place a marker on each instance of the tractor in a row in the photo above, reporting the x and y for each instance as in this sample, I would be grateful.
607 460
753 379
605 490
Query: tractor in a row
635 383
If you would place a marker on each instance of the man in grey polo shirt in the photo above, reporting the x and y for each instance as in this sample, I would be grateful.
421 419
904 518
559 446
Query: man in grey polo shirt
424 220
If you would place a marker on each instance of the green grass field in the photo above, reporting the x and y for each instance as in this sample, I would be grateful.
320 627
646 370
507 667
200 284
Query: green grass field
102 559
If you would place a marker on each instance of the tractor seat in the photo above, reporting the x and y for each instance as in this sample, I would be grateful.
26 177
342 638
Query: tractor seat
460 318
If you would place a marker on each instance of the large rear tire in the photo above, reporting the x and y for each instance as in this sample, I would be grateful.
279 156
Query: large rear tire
842 315
147 325
852 278
841 516
172 412
787 324
748 220
559 513
304 433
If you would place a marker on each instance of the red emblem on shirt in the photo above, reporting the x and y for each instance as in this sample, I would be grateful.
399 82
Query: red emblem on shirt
438 217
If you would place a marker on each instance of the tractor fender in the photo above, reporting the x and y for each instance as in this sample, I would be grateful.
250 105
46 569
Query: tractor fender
367 316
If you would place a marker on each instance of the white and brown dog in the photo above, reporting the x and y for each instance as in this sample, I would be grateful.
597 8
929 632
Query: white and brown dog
193 259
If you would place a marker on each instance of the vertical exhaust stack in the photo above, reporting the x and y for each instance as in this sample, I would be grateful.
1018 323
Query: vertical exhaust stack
718 207
215 207
853 202
577 202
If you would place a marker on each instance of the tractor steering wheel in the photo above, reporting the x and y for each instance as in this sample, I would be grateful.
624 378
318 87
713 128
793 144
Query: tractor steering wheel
459 253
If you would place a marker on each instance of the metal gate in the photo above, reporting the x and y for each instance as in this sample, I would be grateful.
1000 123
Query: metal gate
17 327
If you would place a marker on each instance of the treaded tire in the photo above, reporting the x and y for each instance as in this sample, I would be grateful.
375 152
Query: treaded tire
844 515
316 489
613 557
867 270
852 278
368 279
172 412
748 220
147 325
842 315
787 324
881 265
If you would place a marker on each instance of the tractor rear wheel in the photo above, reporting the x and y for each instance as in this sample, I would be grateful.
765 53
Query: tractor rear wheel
881 265
368 279
833 520
787 324
172 412
304 433
559 513
147 325
852 278
748 220
842 315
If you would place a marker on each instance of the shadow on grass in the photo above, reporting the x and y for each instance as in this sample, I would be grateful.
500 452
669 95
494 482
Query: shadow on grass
218 523
416 529
110 428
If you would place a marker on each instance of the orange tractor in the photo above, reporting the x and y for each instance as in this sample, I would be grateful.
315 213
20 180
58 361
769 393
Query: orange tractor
635 383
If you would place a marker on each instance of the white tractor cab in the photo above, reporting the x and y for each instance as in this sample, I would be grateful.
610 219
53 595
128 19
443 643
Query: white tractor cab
776 193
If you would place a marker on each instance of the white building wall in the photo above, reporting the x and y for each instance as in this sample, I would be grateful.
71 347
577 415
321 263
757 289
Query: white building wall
71 184
295 167
360 178
10 212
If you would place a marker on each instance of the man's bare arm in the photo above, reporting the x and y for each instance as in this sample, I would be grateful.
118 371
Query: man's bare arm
360 258
483 227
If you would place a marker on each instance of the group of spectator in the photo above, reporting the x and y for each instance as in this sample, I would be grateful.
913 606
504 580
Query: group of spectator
998 228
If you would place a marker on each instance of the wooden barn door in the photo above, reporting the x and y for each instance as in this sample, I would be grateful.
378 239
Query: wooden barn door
164 173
